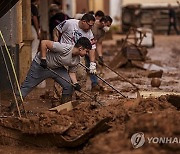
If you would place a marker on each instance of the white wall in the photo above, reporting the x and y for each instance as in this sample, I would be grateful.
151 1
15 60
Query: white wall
72 7
115 11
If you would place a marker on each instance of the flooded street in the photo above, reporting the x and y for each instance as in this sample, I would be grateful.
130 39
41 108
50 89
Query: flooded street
157 116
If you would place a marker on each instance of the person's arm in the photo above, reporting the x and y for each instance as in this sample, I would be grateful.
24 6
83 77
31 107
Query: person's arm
45 45
74 81
100 53
73 77
59 29
92 55
56 35
36 25
99 49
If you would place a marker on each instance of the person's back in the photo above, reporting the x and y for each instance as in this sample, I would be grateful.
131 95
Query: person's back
172 13
98 32
71 30
55 20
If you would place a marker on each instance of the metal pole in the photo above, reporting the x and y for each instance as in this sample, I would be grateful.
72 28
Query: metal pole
11 83
120 76
105 82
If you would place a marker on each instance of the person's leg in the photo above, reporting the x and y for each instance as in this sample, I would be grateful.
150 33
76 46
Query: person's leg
175 28
169 29
67 87
35 76
35 42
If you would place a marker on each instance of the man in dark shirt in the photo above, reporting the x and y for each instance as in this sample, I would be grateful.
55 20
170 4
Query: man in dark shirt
172 20
56 17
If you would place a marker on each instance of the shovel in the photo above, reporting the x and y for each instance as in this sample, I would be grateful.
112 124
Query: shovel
93 98
105 82
137 89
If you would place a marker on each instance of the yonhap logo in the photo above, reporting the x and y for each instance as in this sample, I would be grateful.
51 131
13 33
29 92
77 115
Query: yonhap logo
137 139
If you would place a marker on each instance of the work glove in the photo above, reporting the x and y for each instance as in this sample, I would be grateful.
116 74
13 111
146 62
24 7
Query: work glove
43 63
77 87
100 60
92 68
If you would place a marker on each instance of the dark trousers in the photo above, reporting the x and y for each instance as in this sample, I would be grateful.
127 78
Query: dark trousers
37 74
172 25
93 78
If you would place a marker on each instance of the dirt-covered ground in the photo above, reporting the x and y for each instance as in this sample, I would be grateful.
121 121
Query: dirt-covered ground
155 117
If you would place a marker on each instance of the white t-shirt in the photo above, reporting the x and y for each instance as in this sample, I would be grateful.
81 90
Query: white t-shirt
71 32
61 55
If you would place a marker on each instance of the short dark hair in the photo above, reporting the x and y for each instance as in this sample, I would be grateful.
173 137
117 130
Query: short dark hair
106 19
91 12
109 19
99 13
88 17
84 42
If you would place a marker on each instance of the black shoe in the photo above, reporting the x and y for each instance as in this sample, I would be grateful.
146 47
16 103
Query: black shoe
55 102
97 88
66 98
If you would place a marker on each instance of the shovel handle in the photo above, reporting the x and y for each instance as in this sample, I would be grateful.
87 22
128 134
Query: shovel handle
105 82
72 84
121 76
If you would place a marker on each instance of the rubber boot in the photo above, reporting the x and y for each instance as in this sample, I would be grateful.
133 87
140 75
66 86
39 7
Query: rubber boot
66 98
97 88
55 102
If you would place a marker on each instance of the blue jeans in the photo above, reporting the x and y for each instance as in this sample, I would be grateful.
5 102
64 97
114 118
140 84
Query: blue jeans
37 74
93 77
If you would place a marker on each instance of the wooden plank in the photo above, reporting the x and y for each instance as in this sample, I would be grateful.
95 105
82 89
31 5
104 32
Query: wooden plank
66 106
146 94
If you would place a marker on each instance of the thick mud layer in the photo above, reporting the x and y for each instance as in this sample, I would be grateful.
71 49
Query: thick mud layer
127 117
154 117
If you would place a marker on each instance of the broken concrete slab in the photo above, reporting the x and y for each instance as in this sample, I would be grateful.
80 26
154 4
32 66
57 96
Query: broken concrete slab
66 106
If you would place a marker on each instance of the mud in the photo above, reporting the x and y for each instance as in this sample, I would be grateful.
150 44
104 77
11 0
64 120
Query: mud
155 117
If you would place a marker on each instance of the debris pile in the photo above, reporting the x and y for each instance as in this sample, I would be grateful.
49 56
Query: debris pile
118 121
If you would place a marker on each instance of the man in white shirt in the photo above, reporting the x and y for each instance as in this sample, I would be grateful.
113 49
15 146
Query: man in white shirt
70 30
